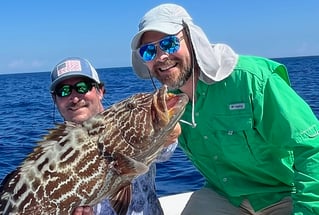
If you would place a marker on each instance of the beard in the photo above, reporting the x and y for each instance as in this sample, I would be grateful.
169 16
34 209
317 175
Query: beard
174 82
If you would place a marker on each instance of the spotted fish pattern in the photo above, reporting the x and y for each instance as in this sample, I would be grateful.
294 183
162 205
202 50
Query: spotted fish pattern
82 164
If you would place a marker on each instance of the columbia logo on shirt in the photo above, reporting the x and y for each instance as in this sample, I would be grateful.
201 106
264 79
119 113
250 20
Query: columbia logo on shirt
237 106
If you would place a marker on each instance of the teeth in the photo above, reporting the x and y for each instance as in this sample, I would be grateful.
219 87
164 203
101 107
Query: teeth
165 68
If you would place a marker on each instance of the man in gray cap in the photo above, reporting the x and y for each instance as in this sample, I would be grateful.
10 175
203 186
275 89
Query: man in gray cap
247 131
78 92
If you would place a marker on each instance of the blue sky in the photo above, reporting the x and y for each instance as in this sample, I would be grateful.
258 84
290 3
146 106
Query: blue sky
37 34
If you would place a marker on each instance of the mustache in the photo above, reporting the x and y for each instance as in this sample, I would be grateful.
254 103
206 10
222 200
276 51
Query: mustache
77 105
166 63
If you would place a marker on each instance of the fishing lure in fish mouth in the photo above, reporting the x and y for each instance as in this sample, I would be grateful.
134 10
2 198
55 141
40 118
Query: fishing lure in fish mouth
82 164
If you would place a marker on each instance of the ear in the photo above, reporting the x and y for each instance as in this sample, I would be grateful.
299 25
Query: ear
101 90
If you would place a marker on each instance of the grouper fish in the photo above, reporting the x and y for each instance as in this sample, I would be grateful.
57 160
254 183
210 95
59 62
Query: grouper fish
81 164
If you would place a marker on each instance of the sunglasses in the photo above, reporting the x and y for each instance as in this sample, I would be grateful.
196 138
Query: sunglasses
81 87
169 44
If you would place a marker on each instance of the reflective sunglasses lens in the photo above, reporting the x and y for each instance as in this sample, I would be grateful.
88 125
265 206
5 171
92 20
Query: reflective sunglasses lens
64 91
82 87
148 52
169 44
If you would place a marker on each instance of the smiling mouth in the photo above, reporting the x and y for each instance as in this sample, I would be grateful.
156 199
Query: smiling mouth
165 69
75 108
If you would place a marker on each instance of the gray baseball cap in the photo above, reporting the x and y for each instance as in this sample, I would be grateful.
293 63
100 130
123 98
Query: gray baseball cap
72 67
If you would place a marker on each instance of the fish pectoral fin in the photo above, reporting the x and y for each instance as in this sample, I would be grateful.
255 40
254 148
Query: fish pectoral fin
121 200
127 168
124 165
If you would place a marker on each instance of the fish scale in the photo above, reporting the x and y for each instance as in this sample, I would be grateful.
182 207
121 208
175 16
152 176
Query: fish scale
81 164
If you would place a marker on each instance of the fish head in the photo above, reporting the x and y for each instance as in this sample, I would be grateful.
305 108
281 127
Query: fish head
145 119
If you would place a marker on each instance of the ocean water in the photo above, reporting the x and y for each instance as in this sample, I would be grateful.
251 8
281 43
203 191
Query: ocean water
27 112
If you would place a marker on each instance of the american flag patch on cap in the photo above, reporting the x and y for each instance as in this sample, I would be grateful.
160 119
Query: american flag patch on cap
69 66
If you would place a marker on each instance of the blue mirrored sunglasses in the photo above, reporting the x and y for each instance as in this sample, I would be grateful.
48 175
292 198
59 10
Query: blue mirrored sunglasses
169 44
81 87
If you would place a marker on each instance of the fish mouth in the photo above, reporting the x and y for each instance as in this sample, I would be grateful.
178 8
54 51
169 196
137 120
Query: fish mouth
167 108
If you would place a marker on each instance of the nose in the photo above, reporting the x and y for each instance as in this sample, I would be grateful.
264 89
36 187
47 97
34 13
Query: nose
75 96
161 55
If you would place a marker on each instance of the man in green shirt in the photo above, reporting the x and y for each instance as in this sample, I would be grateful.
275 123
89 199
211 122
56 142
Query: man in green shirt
247 131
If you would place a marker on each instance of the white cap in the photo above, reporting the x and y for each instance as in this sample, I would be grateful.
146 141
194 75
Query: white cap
215 61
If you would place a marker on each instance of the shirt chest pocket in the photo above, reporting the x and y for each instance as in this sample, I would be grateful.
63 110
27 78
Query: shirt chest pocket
234 137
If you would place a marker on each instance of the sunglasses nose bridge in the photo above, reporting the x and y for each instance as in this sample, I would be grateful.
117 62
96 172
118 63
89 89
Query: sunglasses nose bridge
74 97
73 93
161 55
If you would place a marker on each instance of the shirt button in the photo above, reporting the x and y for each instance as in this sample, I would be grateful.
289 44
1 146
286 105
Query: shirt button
230 132
205 137
204 94
215 157
197 114
224 179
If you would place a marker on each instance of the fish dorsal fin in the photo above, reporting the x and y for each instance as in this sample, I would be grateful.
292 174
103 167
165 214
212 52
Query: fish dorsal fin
58 132
122 199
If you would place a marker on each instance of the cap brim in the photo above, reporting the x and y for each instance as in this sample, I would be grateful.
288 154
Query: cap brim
156 26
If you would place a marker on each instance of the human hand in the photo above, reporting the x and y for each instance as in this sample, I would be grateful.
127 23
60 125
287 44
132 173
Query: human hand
83 210
172 137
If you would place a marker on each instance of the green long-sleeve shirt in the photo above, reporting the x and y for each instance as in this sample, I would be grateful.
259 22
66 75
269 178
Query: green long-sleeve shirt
255 138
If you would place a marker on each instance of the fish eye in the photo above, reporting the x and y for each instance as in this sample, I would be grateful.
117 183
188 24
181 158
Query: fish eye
131 105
